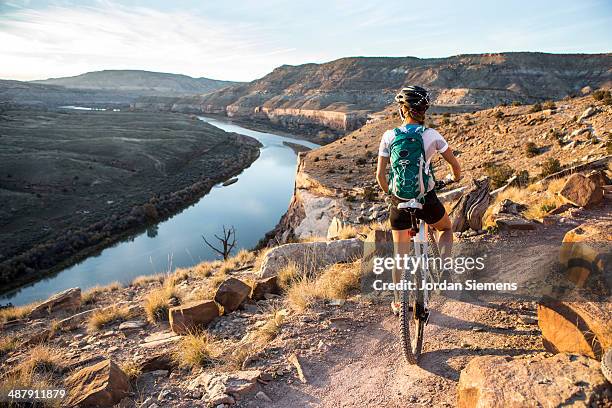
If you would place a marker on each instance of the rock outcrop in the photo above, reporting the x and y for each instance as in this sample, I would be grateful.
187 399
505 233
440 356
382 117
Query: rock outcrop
100 385
497 381
225 388
313 255
261 287
68 300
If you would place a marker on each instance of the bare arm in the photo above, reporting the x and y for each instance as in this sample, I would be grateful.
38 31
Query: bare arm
453 163
381 173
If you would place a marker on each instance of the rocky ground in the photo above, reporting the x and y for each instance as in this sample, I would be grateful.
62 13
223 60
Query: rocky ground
64 191
290 326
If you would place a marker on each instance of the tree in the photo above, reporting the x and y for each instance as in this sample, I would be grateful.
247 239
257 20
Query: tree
228 241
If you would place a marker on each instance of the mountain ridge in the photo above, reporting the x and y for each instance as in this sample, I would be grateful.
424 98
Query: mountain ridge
341 95
147 82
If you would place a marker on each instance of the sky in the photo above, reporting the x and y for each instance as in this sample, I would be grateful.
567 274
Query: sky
243 40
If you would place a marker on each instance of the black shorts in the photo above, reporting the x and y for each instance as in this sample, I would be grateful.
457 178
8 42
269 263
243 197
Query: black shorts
432 212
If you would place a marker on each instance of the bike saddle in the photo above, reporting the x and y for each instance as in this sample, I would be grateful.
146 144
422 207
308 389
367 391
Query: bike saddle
410 204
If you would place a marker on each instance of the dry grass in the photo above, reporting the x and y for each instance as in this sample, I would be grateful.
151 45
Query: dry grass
288 274
538 198
131 369
144 280
260 258
8 343
101 318
156 302
41 369
335 282
16 312
348 231
91 295
197 350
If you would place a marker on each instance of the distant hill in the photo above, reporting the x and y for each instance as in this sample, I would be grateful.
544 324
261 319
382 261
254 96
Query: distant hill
141 82
342 94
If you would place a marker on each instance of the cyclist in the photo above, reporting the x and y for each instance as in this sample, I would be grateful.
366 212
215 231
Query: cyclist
413 103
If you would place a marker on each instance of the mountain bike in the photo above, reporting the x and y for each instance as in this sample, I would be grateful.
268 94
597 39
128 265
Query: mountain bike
414 313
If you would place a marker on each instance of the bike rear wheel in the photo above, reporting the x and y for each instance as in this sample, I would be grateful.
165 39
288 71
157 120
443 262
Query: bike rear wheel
412 322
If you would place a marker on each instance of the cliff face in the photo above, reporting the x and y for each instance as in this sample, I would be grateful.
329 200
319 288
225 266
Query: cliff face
341 94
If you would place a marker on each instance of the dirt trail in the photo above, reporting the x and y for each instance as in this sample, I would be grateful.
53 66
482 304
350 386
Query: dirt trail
364 367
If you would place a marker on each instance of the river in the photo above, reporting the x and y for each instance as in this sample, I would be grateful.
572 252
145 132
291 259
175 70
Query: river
253 205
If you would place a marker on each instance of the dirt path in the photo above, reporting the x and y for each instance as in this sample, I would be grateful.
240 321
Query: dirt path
361 365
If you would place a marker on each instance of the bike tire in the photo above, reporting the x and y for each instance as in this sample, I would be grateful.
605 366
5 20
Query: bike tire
411 327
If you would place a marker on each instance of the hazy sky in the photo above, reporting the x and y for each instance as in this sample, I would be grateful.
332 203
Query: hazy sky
244 39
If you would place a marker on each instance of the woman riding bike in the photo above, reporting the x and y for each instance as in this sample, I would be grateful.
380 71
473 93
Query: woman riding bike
413 103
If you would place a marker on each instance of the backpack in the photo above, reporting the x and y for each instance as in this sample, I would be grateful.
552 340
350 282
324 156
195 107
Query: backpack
409 175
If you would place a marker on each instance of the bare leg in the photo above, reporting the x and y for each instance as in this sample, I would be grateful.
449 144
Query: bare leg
445 238
401 245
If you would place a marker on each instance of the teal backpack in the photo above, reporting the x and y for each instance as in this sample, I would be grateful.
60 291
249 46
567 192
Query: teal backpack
409 174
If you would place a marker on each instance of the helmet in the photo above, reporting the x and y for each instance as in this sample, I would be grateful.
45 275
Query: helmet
413 97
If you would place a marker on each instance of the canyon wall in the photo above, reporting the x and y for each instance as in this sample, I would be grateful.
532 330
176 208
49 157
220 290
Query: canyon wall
341 95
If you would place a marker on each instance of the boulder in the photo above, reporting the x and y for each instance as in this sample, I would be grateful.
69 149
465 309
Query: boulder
579 326
508 206
225 388
192 316
313 255
582 191
500 381
469 210
584 252
68 300
263 286
100 385
231 293
335 226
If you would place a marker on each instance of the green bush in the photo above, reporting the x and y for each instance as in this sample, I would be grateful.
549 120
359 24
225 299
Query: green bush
550 166
498 173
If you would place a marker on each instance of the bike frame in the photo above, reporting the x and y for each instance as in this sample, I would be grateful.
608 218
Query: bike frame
420 249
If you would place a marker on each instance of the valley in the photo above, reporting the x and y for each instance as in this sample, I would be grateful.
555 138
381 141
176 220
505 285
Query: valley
72 182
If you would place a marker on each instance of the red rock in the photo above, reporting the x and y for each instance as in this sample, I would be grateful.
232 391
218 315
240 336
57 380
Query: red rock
99 385
190 317
231 293
582 191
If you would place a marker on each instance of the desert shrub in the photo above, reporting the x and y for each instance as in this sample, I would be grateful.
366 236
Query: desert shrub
549 105
16 312
547 207
316 159
498 173
91 295
360 161
536 107
516 103
445 121
338 155
498 114
601 94
522 178
369 194
446 115
131 369
550 166
8 343
531 150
